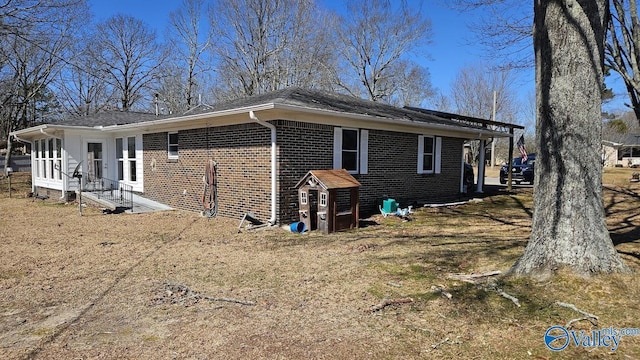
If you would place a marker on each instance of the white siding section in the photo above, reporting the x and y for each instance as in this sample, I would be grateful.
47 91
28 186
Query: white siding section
364 151
139 184
337 148
438 155
73 149
420 154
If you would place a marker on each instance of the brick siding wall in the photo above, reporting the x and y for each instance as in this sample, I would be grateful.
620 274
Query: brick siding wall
392 164
244 168
302 147
243 155
393 171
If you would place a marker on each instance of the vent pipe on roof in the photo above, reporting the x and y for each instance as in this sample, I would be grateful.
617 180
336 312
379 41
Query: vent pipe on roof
274 196
155 101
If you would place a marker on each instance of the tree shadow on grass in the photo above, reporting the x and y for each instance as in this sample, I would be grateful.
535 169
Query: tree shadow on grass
622 206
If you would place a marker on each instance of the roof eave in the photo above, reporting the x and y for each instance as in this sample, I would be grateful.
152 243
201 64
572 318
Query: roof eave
479 133
38 130
169 122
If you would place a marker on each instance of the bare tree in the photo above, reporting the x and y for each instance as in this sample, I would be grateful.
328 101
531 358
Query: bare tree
503 28
568 228
376 37
129 57
506 30
265 45
190 42
622 52
473 90
36 36
80 87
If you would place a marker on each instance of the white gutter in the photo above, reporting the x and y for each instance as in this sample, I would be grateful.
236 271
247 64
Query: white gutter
418 125
397 121
187 118
21 139
49 135
253 116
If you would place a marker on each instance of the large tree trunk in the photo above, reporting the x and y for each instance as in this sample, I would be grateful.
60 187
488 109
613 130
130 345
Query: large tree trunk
569 227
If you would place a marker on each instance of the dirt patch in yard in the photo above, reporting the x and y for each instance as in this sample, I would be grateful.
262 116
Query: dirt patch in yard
175 285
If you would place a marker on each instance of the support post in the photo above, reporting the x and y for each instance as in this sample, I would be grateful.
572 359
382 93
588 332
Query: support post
509 167
481 161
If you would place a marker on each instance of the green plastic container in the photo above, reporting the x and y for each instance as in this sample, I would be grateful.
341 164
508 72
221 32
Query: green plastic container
389 206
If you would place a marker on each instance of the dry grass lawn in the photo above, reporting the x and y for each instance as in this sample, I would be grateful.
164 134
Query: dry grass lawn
173 285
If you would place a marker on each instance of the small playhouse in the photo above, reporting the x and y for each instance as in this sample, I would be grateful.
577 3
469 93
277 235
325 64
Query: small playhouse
329 200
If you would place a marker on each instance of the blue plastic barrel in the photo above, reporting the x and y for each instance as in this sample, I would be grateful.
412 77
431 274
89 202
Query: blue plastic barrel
298 227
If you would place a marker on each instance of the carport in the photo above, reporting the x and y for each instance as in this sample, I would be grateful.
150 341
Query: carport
507 128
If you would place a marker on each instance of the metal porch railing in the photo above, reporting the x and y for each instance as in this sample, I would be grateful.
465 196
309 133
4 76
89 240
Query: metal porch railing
110 190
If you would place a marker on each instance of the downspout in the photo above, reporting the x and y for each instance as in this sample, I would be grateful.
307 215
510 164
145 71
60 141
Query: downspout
253 116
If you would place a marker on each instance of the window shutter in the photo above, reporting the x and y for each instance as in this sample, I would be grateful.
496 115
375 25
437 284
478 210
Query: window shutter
337 148
438 154
420 154
364 151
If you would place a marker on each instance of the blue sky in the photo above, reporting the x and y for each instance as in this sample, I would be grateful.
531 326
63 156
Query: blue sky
448 52
451 48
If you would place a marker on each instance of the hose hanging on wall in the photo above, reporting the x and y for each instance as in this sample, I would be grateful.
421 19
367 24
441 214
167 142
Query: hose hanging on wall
210 191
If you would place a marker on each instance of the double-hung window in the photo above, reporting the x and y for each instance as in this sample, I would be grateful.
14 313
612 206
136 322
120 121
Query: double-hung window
36 161
350 150
58 158
120 158
48 158
131 157
429 154
172 145
126 158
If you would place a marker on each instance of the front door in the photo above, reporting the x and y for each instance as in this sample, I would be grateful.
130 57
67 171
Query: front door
95 161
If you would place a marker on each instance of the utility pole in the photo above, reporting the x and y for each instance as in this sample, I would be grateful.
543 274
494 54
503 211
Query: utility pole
493 141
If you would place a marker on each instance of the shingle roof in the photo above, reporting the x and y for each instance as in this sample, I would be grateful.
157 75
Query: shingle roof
322 100
294 96
331 179
108 118
628 140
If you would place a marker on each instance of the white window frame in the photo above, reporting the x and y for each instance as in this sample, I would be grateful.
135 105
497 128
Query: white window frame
47 161
323 199
362 150
57 160
131 159
436 155
119 158
173 155
36 158
303 198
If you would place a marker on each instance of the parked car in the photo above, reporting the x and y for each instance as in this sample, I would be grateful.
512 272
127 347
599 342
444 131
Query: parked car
469 178
520 171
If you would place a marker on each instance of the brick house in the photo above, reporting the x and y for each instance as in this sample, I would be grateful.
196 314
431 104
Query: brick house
262 146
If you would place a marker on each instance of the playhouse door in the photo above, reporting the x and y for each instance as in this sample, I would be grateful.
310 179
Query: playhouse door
313 209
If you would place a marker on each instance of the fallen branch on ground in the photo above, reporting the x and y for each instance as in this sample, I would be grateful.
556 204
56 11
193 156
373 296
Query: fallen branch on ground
435 346
593 319
181 294
387 302
248 303
439 289
510 297
473 278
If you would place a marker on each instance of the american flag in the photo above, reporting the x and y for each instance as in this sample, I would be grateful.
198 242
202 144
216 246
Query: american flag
522 149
